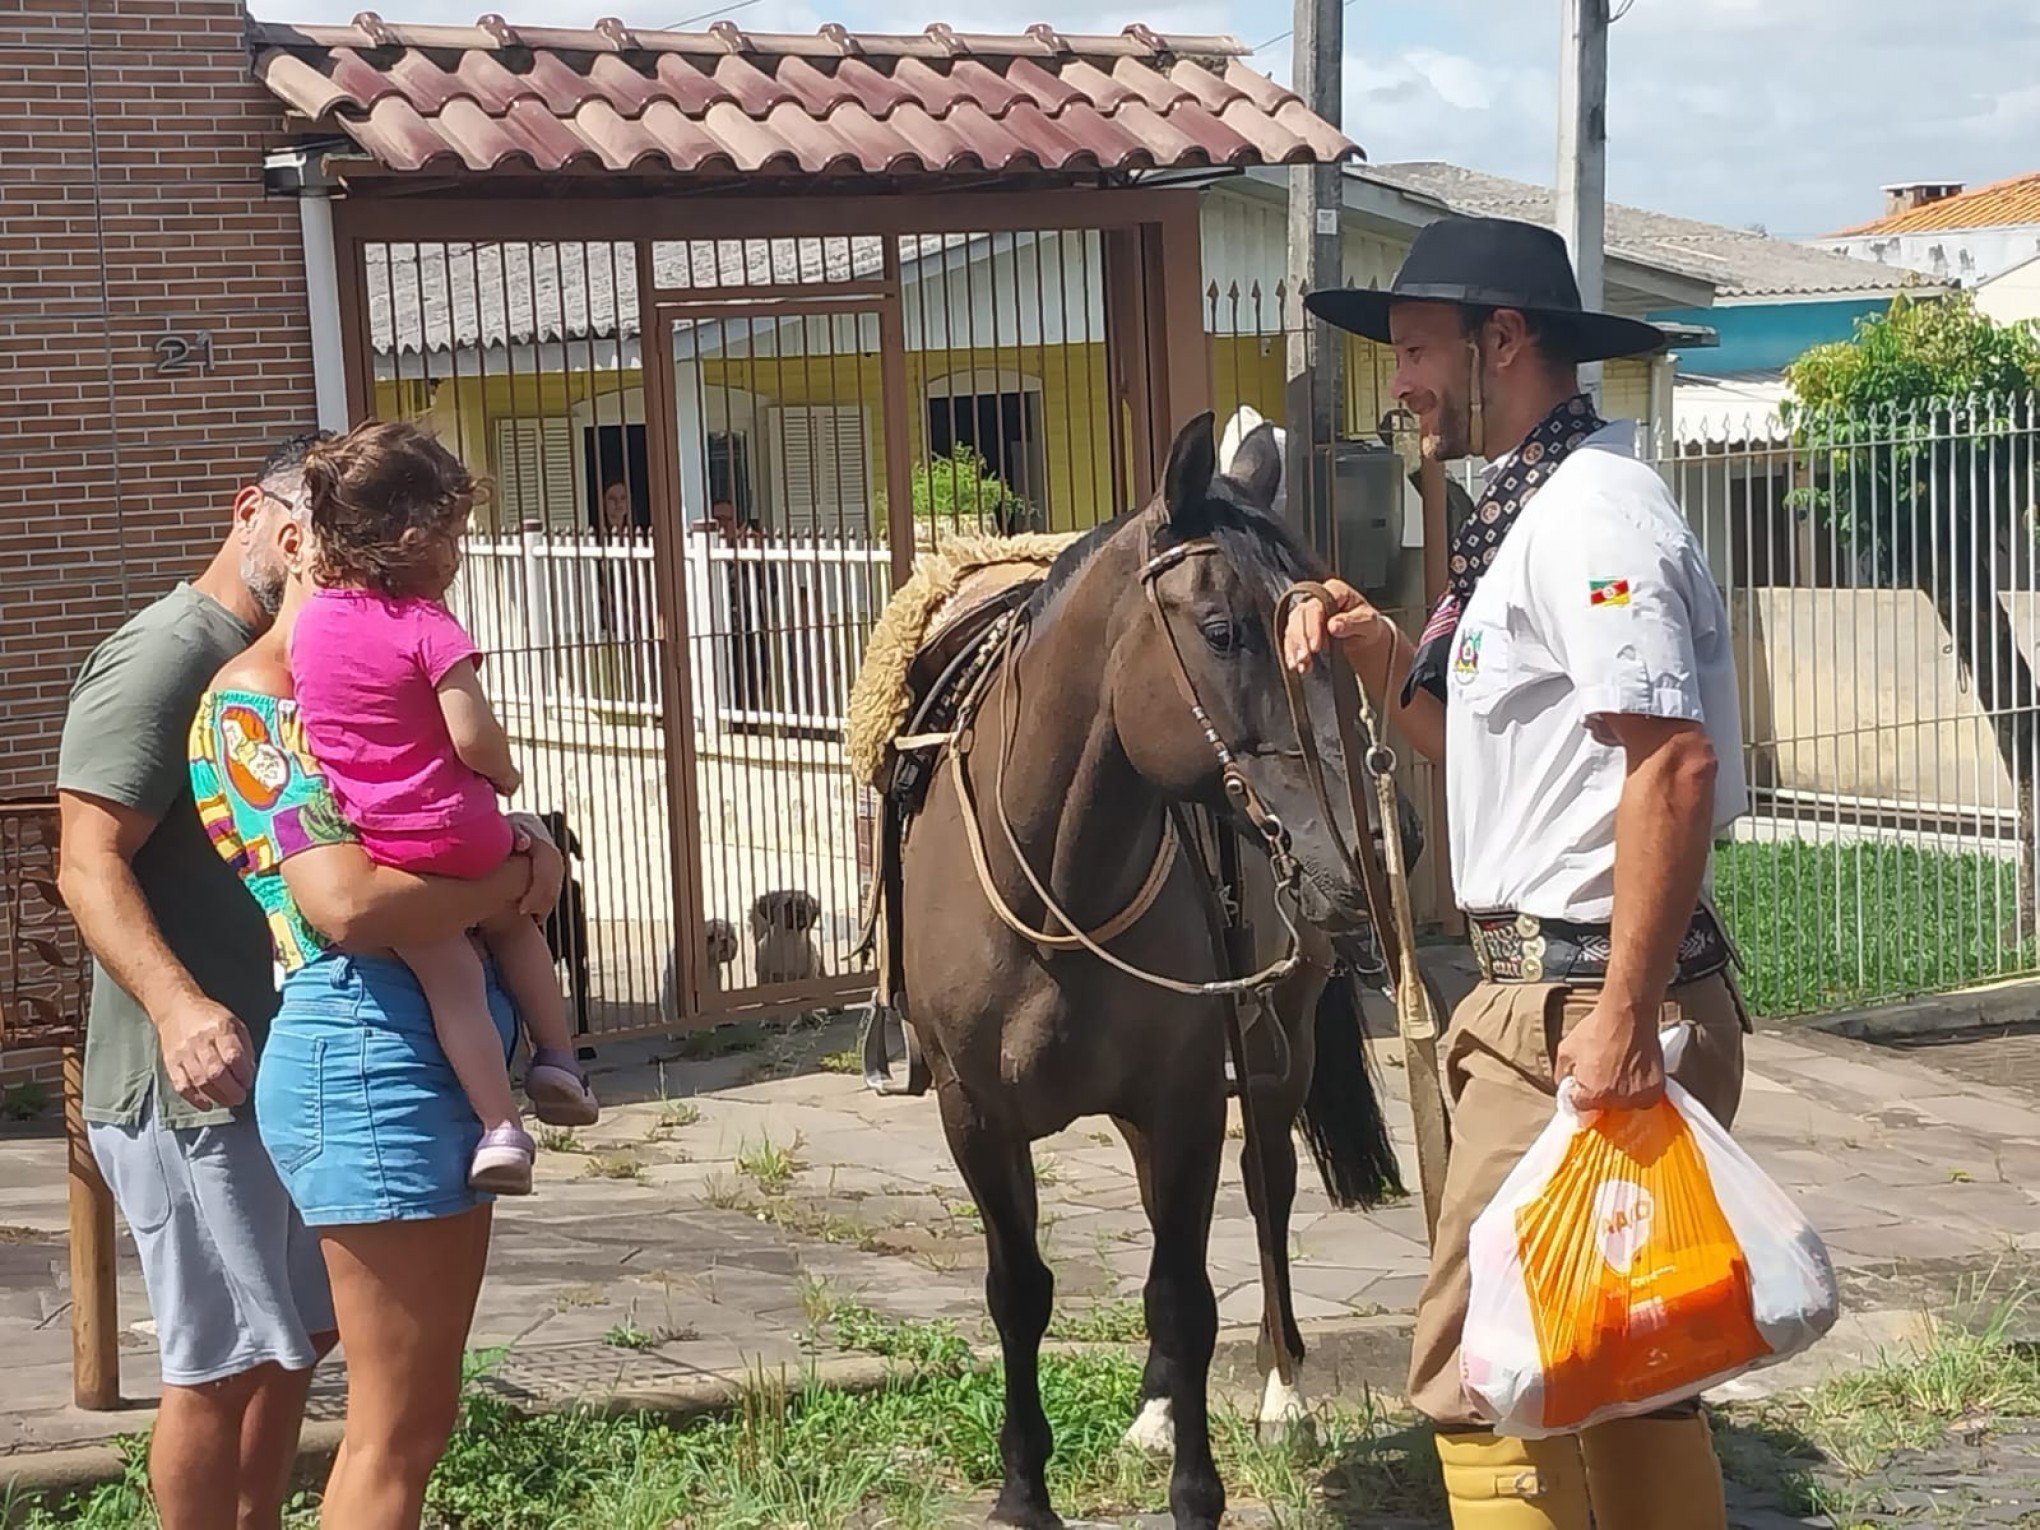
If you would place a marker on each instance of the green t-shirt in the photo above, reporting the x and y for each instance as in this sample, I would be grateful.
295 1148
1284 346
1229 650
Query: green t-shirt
124 740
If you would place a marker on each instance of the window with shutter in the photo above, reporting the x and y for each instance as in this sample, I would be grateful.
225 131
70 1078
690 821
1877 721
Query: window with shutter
535 473
824 470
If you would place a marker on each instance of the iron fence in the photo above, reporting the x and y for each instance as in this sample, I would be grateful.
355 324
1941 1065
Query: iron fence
1880 572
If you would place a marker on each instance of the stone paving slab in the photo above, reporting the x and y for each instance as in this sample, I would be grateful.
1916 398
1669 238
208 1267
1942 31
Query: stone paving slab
1902 1166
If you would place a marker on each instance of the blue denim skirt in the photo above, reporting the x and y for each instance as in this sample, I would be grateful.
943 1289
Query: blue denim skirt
357 1104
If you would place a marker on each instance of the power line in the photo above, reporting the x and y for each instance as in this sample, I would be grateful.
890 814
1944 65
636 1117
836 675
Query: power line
1282 36
1627 7
674 26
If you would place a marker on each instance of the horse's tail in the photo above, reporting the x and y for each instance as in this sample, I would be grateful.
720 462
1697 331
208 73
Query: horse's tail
1342 1119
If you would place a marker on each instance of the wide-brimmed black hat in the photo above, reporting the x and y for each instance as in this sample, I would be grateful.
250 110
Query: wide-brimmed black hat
1492 263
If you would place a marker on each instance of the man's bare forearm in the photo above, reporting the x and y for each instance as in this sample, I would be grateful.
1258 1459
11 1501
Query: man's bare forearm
366 907
1664 828
118 927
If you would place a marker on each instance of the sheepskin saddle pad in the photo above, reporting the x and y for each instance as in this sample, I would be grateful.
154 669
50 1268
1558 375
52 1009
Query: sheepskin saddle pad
960 576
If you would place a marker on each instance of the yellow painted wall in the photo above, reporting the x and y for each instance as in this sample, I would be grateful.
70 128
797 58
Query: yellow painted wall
1625 390
462 411
1076 446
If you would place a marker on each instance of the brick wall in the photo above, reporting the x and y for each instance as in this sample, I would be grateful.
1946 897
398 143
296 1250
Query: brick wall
131 207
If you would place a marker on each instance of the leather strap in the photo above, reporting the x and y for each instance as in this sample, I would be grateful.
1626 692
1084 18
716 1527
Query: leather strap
1387 890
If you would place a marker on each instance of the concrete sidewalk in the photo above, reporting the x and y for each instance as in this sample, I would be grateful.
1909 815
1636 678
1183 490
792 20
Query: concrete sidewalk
662 1249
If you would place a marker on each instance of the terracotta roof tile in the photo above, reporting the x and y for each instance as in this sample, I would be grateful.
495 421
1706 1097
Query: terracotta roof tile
723 102
2001 204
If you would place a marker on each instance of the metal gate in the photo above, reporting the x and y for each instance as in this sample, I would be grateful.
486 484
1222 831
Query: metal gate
694 519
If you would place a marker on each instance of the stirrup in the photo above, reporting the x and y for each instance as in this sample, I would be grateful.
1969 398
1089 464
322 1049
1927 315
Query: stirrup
880 1022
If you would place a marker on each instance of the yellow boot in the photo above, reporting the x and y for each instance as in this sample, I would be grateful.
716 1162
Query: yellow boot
1496 1483
1654 1474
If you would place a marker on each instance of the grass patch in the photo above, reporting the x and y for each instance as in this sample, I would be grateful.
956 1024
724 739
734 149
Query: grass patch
724 1193
840 1062
627 1335
770 1166
615 1166
677 1114
1815 1449
1121 1321
558 1139
813 1222
1828 926
794 1453
720 1041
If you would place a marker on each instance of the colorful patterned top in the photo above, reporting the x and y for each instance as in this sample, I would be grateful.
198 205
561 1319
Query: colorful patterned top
262 799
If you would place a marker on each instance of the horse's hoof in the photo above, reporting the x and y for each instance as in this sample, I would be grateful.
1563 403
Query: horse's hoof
1285 1415
1292 1433
1025 1516
1154 1431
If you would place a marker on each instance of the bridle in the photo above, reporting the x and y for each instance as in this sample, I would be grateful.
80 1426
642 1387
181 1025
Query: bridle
1265 822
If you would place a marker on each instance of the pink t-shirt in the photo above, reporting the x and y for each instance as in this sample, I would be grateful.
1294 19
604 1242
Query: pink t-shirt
367 668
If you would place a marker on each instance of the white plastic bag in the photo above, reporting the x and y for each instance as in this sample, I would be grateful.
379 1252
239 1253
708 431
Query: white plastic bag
1632 1259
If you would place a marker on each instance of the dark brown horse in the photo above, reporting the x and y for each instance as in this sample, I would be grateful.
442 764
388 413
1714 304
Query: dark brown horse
1143 679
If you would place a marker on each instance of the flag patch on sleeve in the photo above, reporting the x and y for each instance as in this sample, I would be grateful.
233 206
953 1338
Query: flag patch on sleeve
1607 592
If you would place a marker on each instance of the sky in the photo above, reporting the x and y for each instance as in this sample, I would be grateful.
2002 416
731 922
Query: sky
1784 114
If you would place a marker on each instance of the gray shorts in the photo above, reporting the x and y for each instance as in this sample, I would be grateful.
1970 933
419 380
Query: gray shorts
235 1279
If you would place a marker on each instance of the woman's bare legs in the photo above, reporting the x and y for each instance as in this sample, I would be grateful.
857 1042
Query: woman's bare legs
404 1294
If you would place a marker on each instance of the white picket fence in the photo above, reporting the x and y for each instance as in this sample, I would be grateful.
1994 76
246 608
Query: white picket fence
777 628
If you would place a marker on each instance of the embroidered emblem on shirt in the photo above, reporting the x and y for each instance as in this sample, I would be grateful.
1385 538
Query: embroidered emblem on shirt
1467 661
1607 592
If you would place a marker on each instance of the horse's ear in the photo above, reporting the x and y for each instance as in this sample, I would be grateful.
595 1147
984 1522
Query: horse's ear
1193 462
1257 467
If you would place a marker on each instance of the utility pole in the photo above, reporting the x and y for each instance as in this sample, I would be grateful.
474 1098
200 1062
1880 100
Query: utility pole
1315 197
1583 153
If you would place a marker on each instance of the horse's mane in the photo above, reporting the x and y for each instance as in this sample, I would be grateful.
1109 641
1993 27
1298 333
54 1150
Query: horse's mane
1253 541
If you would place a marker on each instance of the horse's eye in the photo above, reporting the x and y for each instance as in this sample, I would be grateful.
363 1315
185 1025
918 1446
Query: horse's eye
1221 633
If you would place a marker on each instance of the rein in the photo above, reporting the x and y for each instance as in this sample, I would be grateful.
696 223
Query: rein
1166 852
1416 1018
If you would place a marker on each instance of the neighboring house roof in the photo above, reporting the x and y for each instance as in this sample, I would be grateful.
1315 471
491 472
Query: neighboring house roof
450 296
2002 204
1739 263
726 104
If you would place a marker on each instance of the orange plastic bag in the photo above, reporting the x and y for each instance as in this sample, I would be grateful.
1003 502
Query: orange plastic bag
1634 1258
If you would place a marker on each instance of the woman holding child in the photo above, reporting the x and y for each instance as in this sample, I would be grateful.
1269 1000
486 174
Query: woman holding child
383 1095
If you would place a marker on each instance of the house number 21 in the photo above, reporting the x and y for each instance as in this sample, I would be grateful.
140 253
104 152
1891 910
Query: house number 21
188 352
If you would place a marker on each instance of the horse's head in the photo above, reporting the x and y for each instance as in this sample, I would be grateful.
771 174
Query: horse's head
1217 564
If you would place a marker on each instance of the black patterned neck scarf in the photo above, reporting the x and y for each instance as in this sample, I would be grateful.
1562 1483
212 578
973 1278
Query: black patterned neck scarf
1517 478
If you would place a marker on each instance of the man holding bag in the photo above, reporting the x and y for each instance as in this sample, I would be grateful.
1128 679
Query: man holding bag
1577 684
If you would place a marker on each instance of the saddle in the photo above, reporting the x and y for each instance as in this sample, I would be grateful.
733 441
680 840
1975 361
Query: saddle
945 680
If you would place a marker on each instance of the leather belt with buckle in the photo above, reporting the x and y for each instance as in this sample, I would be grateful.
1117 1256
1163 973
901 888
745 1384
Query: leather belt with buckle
1521 948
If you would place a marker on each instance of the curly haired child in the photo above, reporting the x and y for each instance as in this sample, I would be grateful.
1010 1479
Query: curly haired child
390 697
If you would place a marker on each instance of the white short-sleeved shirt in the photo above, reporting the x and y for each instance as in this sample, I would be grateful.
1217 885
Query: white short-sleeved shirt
1599 602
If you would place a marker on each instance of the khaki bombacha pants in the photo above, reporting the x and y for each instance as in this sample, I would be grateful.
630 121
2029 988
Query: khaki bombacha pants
1498 1056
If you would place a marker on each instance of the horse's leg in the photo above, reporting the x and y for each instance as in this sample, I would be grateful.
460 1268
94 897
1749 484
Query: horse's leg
1152 1429
1282 1402
1182 1313
1019 1289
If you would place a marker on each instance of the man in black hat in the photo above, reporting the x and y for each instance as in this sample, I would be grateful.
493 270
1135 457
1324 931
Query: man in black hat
1576 682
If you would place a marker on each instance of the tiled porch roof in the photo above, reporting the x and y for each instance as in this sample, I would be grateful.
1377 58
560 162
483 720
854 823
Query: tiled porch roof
727 104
